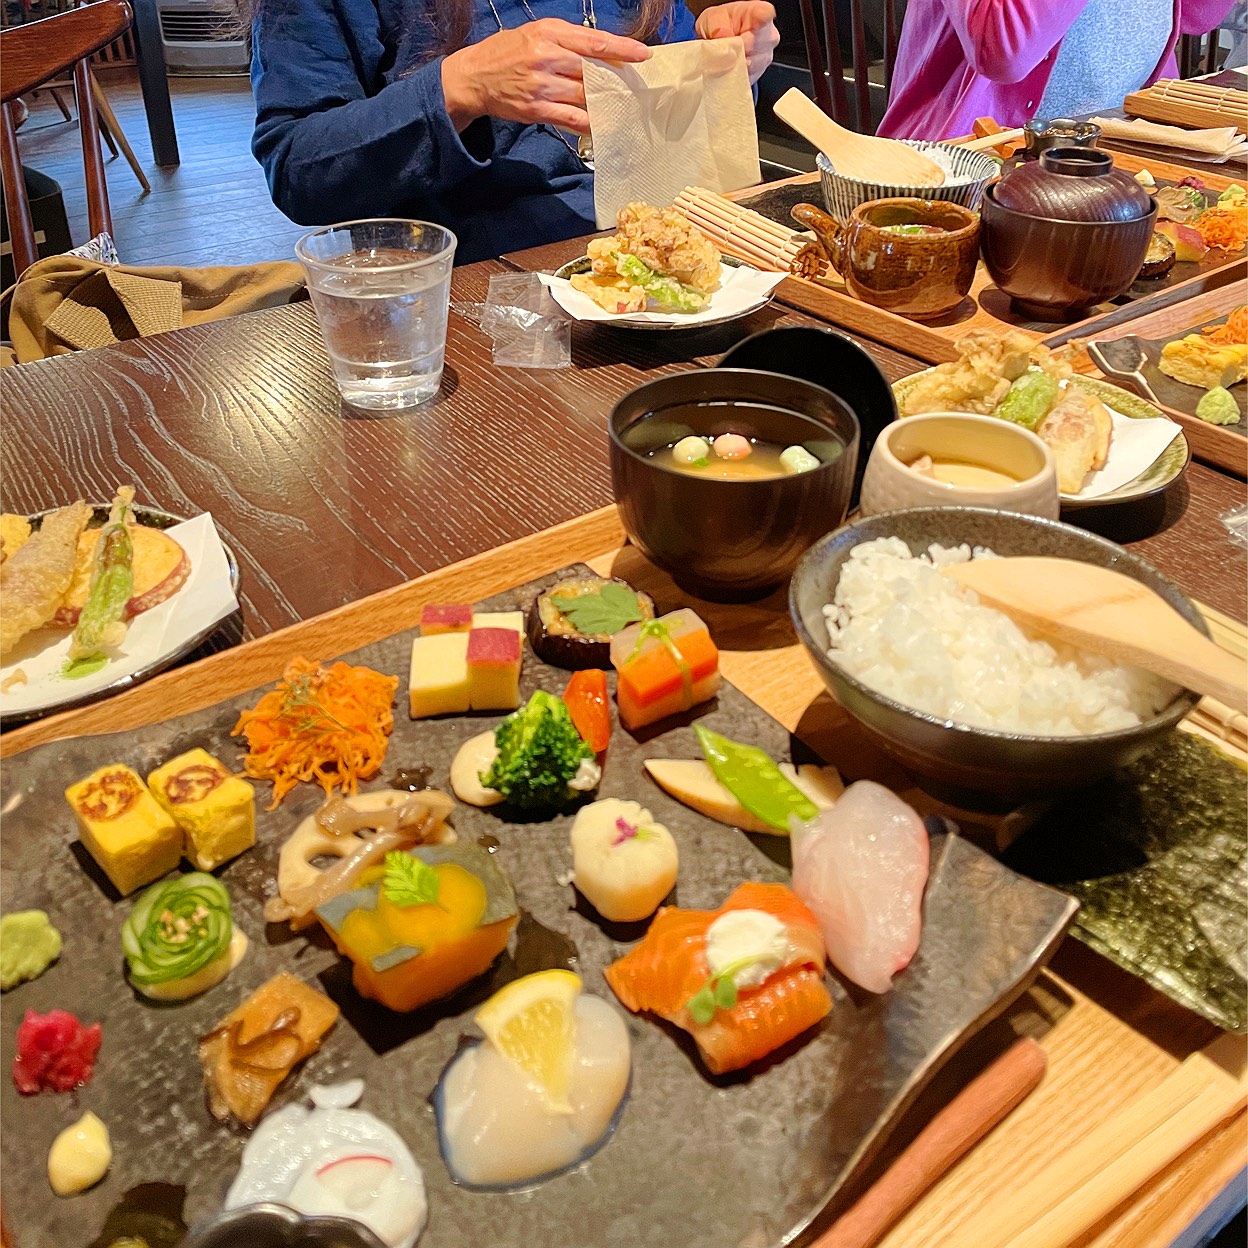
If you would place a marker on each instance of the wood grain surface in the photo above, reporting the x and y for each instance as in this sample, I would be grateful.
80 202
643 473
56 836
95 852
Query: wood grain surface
241 418
1108 1037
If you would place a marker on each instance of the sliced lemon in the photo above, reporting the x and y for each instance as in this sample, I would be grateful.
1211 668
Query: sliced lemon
530 1022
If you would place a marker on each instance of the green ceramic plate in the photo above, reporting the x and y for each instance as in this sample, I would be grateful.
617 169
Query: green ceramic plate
1164 471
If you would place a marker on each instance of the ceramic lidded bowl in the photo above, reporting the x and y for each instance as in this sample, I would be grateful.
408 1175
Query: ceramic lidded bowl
730 540
966 175
970 445
977 767
1066 232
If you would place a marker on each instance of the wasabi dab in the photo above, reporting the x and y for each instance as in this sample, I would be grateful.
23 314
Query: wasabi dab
1218 407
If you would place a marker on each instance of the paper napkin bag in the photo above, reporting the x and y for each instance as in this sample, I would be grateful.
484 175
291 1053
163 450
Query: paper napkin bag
684 116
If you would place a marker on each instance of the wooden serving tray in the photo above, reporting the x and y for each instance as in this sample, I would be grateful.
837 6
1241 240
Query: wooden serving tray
1223 445
1109 1038
987 307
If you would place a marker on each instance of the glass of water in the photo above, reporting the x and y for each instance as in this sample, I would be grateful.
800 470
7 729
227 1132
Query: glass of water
380 289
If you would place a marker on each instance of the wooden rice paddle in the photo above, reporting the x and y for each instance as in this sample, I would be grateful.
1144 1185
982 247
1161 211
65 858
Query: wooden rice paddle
1110 614
1115 1159
857 155
950 1135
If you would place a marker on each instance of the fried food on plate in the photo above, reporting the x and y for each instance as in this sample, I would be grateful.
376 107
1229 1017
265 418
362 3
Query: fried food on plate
34 580
1077 430
14 530
989 361
655 259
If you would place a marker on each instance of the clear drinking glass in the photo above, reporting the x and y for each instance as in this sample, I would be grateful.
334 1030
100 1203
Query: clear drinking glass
380 289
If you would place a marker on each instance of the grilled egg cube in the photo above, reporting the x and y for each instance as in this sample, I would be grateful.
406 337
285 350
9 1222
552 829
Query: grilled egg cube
215 810
124 828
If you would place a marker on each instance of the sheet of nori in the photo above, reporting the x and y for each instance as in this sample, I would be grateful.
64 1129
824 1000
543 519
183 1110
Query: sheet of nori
697 1161
1158 858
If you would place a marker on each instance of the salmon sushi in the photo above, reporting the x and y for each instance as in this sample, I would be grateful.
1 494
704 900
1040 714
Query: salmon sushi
741 980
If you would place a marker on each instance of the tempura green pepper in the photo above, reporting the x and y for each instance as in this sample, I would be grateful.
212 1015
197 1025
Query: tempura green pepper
112 583
752 777
1028 399
668 294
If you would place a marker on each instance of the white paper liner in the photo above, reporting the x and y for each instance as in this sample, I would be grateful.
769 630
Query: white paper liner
204 600
740 290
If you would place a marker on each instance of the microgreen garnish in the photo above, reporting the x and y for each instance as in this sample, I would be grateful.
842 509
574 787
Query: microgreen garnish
660 631
626 831
409 882
601 612
718 993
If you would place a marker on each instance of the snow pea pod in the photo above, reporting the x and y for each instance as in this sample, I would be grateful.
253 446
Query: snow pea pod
752 777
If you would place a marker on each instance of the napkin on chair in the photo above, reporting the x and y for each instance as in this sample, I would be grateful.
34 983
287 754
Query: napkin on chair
1215 145
685 115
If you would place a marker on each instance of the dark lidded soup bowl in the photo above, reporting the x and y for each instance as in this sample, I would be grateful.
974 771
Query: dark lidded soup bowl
730 540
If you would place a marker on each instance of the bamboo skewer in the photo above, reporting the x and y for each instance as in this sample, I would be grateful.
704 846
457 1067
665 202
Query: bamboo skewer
1115 1159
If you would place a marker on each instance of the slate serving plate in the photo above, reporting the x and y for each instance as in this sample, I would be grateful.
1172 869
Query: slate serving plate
696 1161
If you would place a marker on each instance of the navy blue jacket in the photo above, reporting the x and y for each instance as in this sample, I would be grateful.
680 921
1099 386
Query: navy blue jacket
351 122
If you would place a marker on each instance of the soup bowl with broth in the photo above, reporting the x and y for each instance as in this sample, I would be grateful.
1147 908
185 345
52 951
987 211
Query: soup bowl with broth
946 459
731 526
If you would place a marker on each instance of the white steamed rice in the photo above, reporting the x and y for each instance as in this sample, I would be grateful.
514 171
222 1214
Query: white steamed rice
900 626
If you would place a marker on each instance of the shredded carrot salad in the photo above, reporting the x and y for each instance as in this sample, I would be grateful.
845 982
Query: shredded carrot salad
1234 332
328 724
1226 228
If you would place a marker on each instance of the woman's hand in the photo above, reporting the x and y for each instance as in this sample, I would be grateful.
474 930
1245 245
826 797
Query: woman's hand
753 20
533 73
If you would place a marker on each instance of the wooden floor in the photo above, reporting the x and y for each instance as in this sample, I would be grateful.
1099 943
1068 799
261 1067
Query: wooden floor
214 208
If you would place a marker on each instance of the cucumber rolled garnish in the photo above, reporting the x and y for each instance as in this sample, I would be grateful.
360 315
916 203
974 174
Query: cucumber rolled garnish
176 929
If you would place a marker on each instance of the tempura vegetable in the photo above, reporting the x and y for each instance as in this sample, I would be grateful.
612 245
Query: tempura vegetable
1028 399
668 294
101 625
33 579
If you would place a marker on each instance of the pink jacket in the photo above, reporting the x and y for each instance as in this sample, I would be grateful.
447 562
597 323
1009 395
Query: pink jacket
963 59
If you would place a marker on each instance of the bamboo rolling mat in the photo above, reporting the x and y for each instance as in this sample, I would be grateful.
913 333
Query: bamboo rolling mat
1196 105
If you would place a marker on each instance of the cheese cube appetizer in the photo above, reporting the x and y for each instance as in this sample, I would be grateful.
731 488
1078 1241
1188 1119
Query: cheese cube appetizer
215 810
124 828
447 617
665 666
494 669
499 619
438 683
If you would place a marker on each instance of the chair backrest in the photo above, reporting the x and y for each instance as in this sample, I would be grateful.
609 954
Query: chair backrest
881 26
33 54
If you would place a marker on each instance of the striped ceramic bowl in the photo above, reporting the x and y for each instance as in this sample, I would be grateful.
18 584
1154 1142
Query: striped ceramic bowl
966 175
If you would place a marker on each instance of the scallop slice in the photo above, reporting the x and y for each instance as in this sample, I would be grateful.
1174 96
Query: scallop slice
498 1131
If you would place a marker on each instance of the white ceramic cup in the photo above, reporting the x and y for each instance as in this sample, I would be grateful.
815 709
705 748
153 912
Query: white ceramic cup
890 483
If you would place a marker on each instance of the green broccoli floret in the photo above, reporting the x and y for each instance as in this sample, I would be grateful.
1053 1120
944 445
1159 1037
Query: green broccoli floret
539 751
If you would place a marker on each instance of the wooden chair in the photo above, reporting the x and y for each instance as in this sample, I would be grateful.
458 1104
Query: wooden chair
33 54
827 66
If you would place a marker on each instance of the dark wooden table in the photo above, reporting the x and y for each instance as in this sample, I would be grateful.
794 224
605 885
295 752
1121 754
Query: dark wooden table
324 505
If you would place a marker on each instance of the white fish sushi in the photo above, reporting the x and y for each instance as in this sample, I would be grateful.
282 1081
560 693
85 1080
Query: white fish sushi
862 867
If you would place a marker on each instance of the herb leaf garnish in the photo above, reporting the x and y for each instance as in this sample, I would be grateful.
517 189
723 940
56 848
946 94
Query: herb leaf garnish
408 881
718 993
601 612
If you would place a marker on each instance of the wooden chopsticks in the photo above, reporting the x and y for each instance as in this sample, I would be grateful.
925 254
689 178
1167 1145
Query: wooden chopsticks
944 1141
1196 105
1119 1156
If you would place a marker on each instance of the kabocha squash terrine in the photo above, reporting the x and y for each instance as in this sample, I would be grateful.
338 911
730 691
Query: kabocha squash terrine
571 623
432 918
